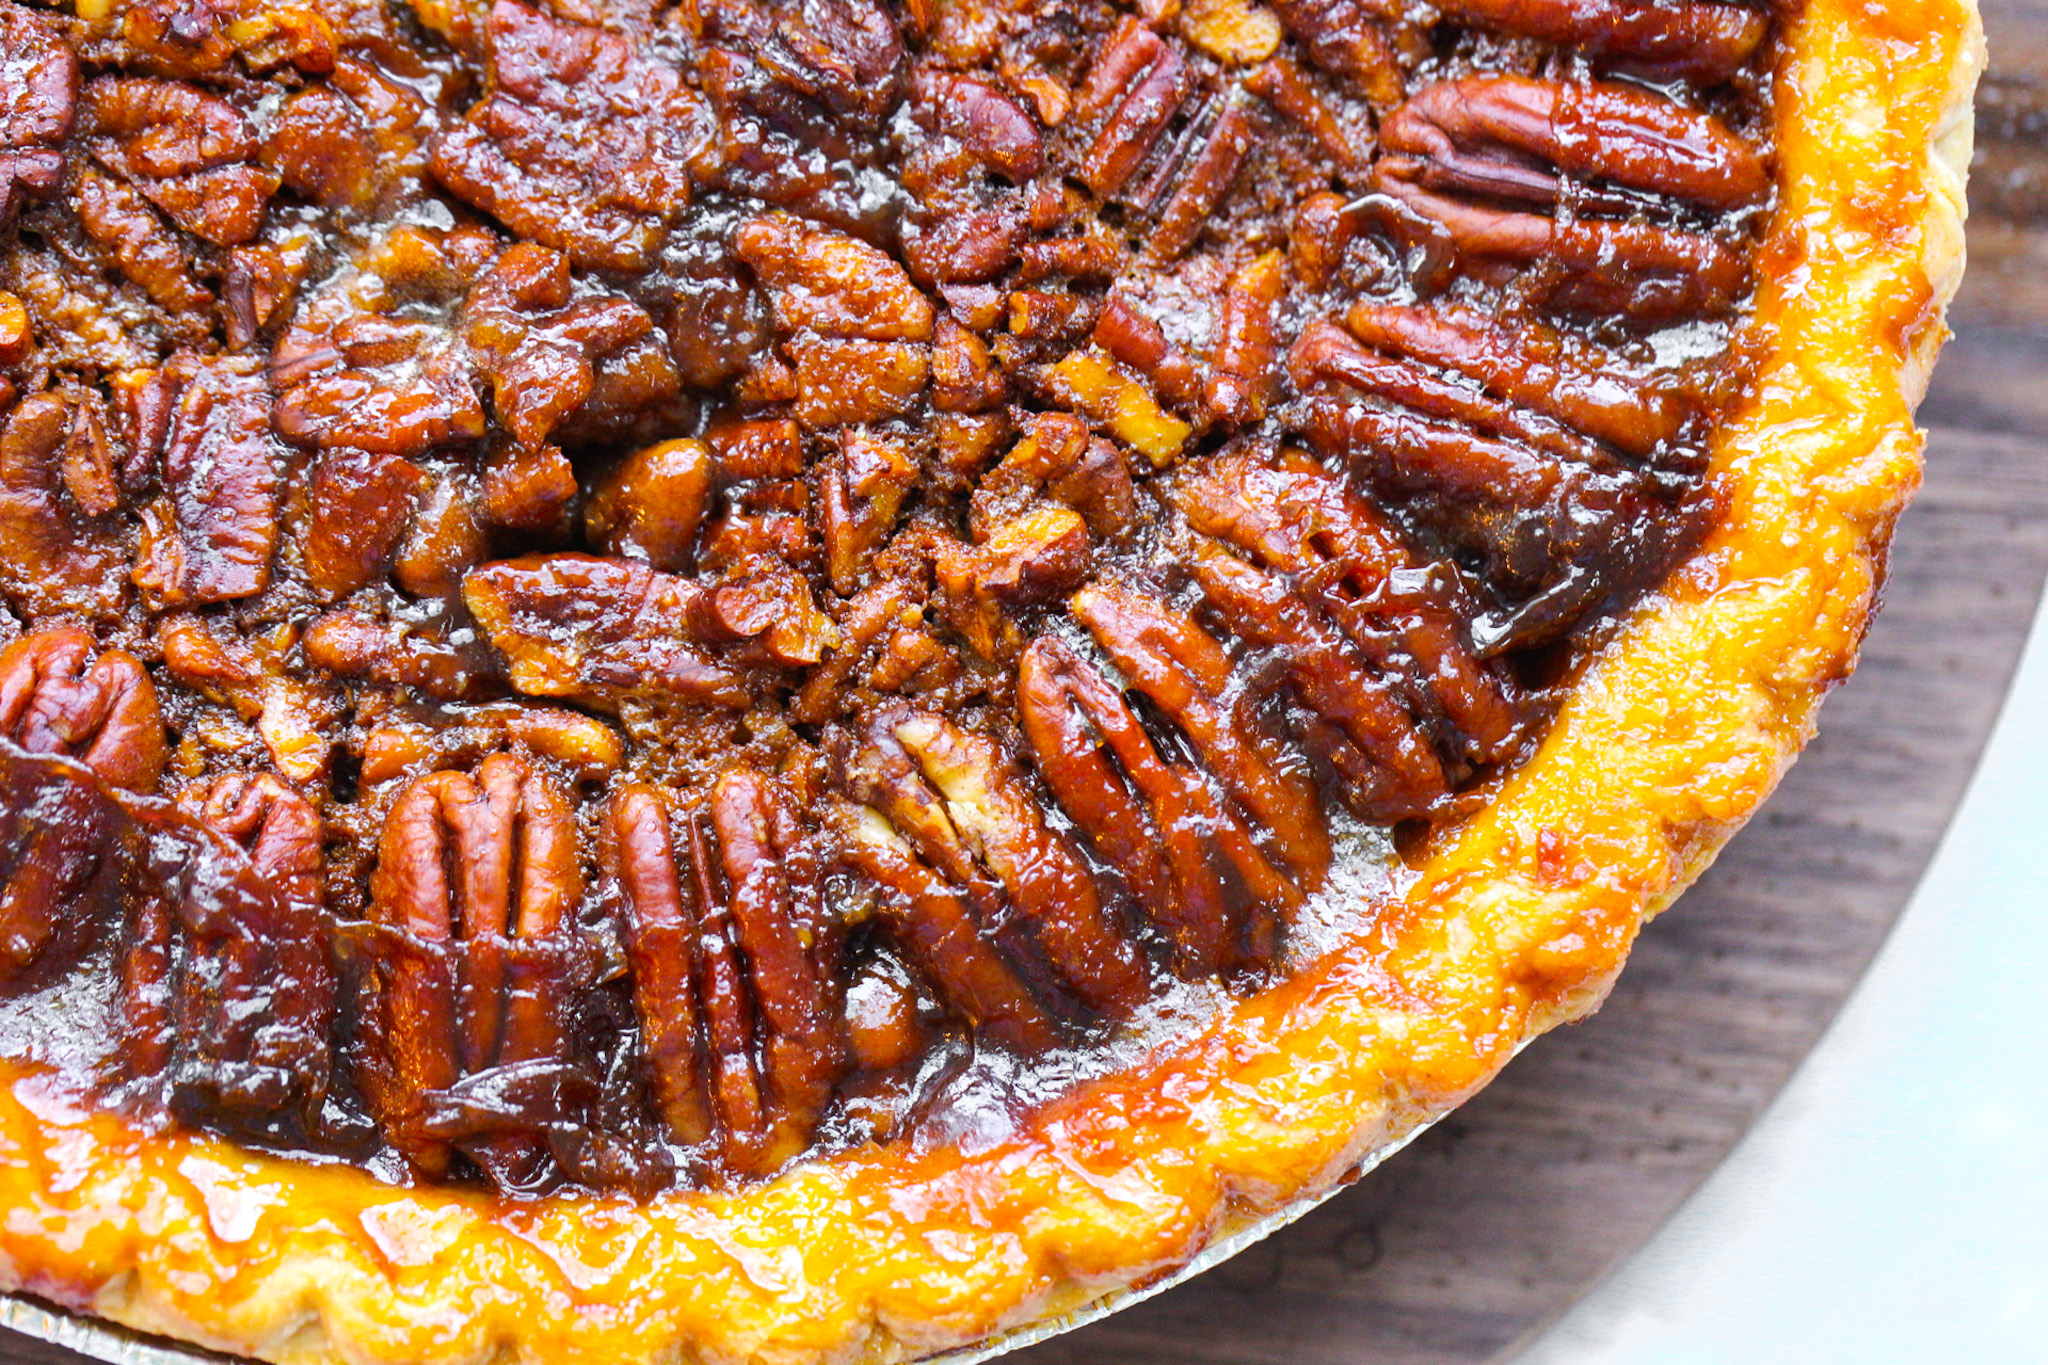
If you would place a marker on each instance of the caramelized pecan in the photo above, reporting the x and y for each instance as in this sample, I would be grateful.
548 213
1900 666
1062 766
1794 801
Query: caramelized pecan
652 503
1188 859
583 144
948 826
210 536
1139 90
861 487
605 629
57 857
830 283
736 974
566 360
59 695
1361 42
38 96
1491 159
359 368
189 153
1701 40
1559 521
477 877
1351 565
51 558
1185 674
235 981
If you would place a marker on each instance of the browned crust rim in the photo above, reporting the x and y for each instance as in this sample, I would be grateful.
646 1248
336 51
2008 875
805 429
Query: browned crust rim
1675 736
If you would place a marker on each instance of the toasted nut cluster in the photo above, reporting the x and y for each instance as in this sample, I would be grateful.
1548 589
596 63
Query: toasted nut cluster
601 593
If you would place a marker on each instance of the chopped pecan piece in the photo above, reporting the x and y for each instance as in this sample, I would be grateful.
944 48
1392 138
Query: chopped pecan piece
38 98
846 54
583 747
856 381
861 487
1090 384
1189 861
191 154
604 629
1057 460
1359 41
736 973
990 130
441 660
1490 158
1700 40
357 141
582 144
360 369
362 506
887 646
652 503
1031 558
210 536
479 877
295 716
192 38
565 360
948 825
830 283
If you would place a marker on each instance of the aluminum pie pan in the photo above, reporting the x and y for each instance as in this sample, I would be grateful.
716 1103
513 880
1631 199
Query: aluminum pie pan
118 1345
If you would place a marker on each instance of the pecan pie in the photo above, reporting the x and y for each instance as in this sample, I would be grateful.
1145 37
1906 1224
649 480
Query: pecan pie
805 679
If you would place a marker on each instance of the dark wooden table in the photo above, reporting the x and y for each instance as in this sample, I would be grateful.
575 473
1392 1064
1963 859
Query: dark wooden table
1501 1216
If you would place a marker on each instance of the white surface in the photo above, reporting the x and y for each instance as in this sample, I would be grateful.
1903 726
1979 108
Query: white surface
1891 1208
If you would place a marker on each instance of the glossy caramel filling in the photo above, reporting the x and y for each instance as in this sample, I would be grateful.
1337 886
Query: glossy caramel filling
610 594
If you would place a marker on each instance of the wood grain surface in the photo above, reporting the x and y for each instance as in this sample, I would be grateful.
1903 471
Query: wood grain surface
1500 1217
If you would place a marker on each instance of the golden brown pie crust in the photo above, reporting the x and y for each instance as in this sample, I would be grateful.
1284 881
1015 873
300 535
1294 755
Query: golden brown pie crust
1517 920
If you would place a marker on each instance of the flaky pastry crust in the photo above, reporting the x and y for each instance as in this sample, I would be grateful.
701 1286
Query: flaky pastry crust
1515 922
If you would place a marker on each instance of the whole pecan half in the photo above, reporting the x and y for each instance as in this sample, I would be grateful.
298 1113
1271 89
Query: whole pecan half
583 143
1165 142
1524 452
1700 40
60 695
1151 809
38 97
55 556
479 874
1352 567
798 95
210 536
1493 160
190 153
603 629
229 983
736 976
991 905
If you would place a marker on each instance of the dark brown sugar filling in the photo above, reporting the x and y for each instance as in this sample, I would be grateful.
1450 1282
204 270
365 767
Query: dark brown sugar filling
606 593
